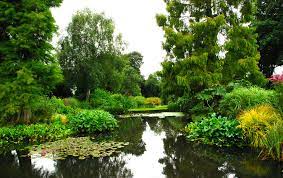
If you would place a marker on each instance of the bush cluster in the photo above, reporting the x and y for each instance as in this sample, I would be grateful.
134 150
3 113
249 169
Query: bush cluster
242 98
113 103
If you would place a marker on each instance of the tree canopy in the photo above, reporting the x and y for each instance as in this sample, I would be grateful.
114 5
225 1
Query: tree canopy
91 56
208 43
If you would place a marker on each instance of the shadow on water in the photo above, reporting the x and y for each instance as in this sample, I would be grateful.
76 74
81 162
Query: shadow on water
157 149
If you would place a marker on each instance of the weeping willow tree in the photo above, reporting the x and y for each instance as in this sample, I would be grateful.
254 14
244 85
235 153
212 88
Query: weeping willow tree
208 43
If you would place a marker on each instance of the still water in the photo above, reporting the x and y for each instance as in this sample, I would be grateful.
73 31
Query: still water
157 149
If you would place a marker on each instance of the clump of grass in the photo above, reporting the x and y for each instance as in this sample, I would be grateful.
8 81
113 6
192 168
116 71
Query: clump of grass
263 128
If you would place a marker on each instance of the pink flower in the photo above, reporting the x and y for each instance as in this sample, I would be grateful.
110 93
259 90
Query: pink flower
278 78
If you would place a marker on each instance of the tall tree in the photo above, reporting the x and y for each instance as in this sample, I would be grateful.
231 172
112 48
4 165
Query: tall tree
269 26
192 34
89 54
131 75
28 69
131 81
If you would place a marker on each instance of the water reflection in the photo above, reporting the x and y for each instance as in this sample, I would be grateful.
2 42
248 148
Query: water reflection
157 149
44 165
147 165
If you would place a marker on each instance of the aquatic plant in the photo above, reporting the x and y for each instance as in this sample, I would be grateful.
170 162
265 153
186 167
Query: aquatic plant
81 147
24 134
218 131
90 121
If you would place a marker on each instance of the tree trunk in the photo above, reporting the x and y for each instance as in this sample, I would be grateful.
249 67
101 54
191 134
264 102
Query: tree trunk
87 95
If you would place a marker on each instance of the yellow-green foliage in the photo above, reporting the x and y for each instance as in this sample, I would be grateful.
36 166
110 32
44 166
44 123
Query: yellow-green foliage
263 128
60 117
152 101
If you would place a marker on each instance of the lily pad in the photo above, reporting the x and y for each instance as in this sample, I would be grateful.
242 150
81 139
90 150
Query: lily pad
81 147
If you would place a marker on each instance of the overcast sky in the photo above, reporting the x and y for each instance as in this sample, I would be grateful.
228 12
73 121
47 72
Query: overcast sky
134 19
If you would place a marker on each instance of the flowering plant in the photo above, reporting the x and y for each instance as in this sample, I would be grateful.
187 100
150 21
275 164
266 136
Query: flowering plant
277 78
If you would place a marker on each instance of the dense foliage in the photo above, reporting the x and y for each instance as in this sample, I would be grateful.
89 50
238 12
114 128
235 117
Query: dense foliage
28 69
196 59
244 98
218 131
152 86
24 134
113 103
92 121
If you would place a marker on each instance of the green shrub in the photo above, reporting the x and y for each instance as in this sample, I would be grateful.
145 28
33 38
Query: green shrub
100 98
123 101
152 101
173 107
244 98
113 103
57 106
72 102
91 121
183 104
35 133
201 104
218 131
138 100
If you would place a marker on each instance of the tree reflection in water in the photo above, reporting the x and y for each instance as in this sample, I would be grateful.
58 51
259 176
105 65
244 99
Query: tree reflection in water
98 167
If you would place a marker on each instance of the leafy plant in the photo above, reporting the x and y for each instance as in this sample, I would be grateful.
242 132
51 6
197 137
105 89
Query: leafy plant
244 98
182 104
91 121
215 130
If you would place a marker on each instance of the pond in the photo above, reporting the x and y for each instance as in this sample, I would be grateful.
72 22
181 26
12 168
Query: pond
156 149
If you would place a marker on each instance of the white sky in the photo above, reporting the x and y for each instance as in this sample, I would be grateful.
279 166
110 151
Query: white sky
134 19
